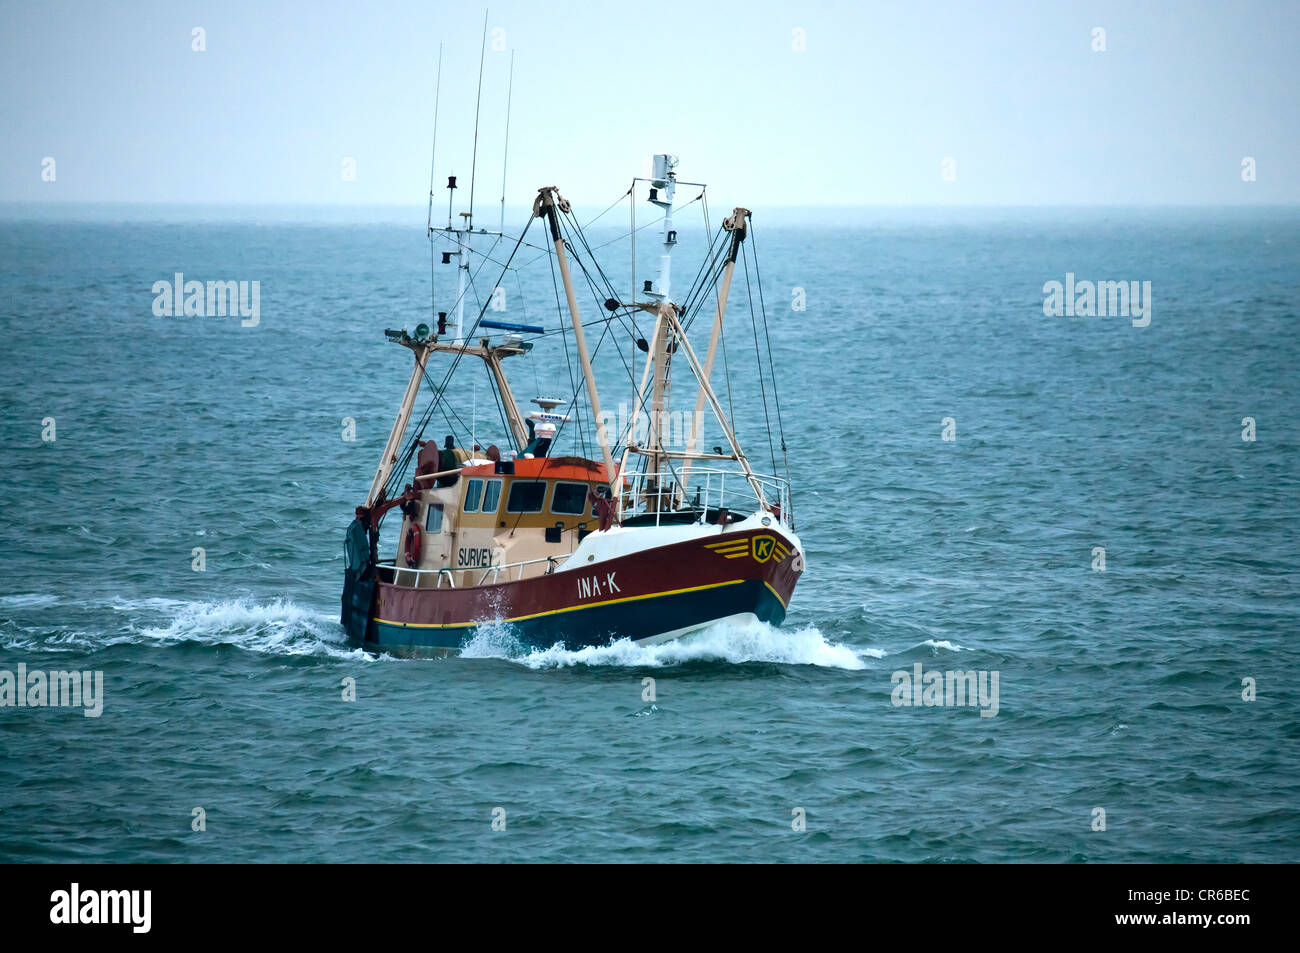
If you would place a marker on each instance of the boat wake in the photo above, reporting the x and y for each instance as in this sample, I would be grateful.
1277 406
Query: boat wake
735 643
283 628
275 628
278 627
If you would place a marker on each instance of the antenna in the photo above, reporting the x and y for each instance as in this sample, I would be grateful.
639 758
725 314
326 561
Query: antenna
433 155
506 153
478 100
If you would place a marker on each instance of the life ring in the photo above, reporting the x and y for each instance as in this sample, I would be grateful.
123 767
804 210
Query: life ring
413 540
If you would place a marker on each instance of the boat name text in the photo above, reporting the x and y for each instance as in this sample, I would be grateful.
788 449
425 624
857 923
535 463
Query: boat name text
589 586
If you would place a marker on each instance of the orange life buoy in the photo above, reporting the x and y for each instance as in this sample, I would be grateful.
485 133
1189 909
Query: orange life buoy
413 540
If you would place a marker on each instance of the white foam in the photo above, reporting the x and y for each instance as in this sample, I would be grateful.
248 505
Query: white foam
944 644
28 600
731 642
493 640
276 628
119 604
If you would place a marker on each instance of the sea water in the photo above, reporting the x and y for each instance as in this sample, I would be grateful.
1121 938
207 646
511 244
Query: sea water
1100 512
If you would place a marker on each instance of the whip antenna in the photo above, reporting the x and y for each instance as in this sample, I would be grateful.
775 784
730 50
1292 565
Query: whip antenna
478 100
433 155
506 153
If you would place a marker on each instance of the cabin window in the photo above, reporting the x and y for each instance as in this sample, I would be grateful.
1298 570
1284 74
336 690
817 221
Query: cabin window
491 496
526 496
473 493
433 518
569 498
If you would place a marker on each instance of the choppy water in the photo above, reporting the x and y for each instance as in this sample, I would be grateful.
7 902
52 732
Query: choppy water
1119 689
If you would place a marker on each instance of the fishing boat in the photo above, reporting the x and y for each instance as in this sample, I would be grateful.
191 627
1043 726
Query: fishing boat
651 538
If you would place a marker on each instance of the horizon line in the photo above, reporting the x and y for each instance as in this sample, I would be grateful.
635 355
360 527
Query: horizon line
153 203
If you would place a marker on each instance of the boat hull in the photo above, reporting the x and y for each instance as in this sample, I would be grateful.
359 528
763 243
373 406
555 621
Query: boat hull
648 595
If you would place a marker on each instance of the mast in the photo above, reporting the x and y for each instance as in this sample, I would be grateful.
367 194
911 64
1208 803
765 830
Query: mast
449 337
463 237
670 337
547 200
663 186
736 225
462 274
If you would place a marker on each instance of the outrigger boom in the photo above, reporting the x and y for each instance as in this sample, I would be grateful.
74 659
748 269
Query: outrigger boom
547 199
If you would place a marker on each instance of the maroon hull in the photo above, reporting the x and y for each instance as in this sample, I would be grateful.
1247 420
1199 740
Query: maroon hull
675 586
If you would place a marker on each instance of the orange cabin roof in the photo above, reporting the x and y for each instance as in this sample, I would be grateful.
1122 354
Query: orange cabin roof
553 468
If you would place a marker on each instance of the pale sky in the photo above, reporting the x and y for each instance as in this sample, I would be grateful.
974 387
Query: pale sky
864 114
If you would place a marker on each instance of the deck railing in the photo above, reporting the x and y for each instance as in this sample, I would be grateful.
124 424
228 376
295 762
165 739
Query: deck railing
659 496
390 572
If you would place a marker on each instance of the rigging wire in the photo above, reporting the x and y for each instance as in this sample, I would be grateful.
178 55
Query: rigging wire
396 473
726 371
712 265
758 357
758 277
631 206
596 296
642 228
572 227
612 294
568 360
705 281
611 205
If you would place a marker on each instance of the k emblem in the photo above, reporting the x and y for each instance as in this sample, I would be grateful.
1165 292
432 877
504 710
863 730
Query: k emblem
763 546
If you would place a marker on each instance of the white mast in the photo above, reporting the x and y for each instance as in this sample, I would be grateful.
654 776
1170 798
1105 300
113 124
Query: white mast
663 186
670 336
